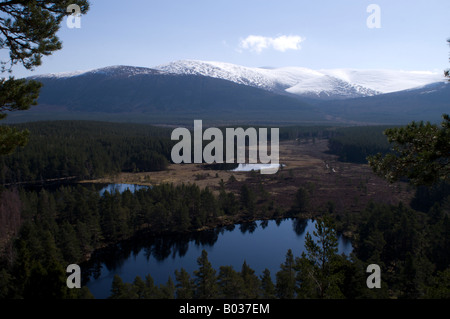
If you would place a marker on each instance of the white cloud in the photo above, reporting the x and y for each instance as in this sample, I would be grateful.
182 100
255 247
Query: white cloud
257 43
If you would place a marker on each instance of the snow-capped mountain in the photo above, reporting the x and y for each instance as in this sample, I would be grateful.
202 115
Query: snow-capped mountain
186 90
112 71
324 84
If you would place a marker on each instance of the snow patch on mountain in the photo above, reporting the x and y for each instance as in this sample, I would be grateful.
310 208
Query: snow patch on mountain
386 81
325 83
116 70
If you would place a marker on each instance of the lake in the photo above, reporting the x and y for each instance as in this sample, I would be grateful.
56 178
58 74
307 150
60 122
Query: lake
112 188
261 244
255 167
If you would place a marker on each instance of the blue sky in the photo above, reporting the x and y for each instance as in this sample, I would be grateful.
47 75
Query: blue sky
314 34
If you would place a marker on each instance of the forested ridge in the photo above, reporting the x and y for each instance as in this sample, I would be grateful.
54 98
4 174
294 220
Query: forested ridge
85 150
89 150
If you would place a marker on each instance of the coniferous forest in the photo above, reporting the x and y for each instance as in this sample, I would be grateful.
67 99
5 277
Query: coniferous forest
43 229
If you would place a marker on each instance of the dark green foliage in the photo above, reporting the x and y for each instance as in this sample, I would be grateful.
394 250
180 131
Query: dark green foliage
30 27
63 226
354 144
285 287
230 282
168 290
267 287
248 199
412 245
185 285
17 95
441 286
251 282
307 133
28 31
205 278
85 150
422 153
317 268
301 199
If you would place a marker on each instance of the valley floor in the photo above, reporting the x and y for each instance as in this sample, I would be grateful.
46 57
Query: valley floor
348 187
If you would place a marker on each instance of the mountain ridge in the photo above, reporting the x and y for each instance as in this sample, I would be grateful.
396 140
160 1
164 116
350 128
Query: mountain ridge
223 92
325 84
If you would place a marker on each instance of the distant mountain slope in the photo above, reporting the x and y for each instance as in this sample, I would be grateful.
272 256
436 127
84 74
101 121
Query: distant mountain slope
318 84
182 91
425 103
154 95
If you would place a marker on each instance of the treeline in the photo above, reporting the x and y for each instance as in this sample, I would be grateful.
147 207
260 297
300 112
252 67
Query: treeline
411 248
64 227
354 144
60 150
85 150
306 132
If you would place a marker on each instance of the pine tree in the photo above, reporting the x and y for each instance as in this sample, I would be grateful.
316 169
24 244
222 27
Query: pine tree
28 31
248 200
118 288
267 286
151 290
301 199
285 283
231 284
185 285
317 274
139 288
421 153
167 291
251 282
205 278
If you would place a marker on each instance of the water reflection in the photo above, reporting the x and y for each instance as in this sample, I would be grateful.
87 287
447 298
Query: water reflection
262 244
264 224
299 226
113 188
160 248
248 227
173 246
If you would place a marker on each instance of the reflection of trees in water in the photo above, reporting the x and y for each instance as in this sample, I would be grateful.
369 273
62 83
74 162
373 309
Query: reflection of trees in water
180 248
299 225
111 258
207 237
163 247
160 248
230 227
248 227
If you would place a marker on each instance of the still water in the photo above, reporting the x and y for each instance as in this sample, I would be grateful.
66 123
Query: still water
261 244
112 188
